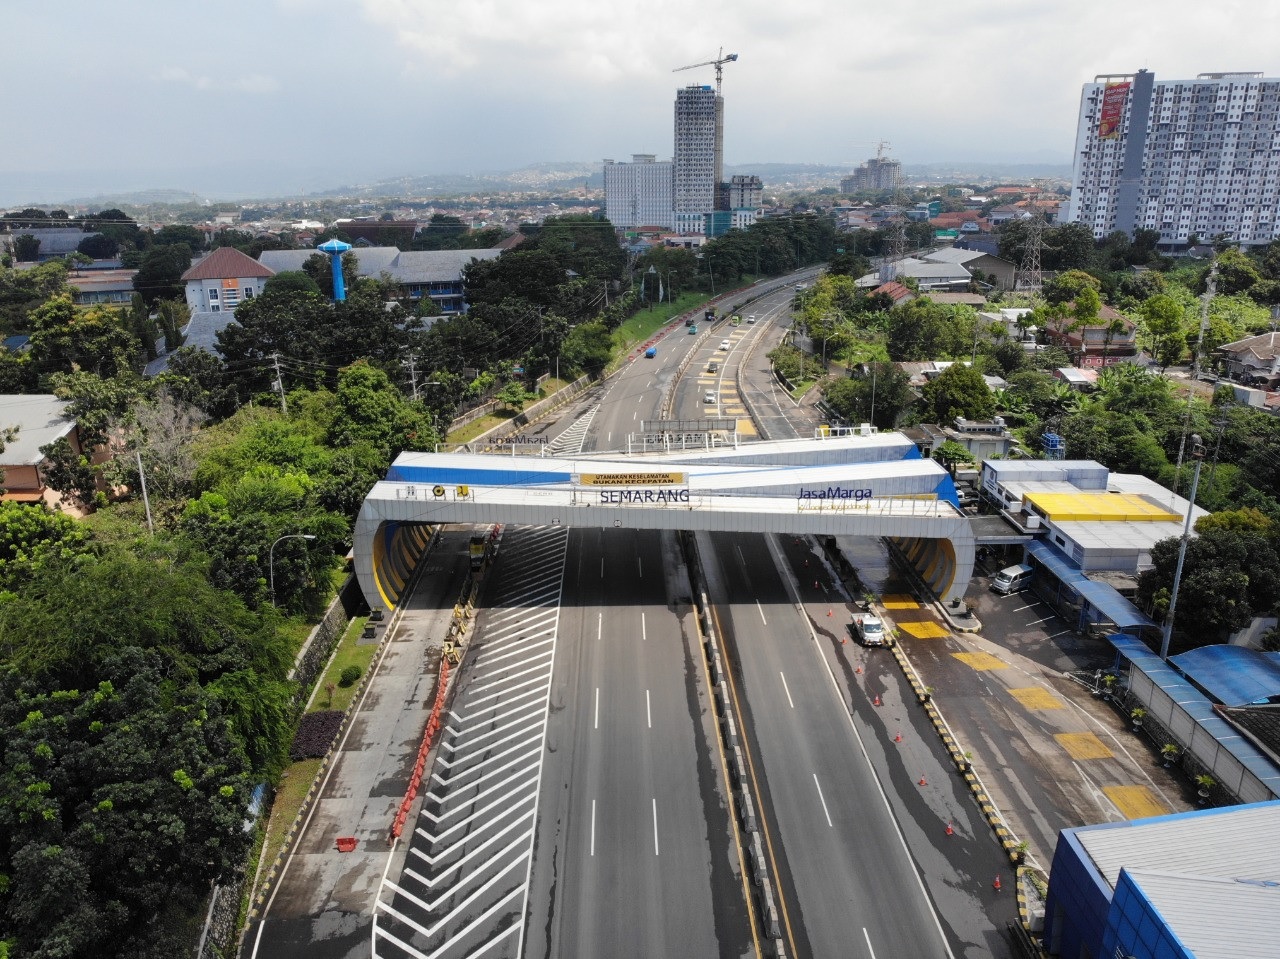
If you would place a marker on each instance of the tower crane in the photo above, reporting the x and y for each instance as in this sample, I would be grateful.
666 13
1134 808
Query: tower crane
718 63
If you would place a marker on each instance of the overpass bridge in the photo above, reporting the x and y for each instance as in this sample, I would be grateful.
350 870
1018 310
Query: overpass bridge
858 485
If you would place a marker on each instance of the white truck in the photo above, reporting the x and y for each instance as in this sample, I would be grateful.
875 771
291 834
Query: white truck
870 630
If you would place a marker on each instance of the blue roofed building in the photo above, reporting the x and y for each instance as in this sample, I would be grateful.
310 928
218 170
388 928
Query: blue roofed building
1197 885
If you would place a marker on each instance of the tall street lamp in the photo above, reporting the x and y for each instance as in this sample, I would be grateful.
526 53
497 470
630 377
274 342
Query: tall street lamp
271 559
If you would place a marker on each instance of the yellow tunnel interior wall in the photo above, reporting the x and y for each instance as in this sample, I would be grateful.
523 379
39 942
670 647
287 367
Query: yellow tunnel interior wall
933 559
397 548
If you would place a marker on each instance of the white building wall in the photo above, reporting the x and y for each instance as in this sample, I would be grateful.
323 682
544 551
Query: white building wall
1210 161
222 295
638 193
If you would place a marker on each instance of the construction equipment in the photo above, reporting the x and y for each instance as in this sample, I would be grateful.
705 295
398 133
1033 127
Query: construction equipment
718 63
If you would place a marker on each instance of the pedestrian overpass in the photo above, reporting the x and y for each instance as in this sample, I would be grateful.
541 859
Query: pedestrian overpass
858 485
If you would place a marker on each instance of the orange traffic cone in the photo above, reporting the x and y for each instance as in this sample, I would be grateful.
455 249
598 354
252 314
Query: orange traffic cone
877 700
923 782
950 831
898 738
828 612
996 885
815 585
858 670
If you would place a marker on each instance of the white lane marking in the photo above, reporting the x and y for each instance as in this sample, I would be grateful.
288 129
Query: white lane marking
1056 635
635 415
609 437
640 398
648 713
1021 608
823 800
644 632
599 625
786 689
761 608
1037 622
655 825
640 567
866 935
593 827
597 707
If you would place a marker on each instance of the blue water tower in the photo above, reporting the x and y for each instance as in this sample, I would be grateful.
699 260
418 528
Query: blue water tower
1054 447
335 249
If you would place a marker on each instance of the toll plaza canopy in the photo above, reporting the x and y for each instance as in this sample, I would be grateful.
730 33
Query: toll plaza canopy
873 485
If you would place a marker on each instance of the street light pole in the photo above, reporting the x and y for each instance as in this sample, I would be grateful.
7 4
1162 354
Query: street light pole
271 559
1197 453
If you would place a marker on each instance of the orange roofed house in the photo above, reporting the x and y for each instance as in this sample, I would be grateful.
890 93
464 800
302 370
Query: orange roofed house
219 282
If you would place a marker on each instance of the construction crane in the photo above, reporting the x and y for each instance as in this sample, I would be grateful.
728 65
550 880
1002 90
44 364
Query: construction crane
718 63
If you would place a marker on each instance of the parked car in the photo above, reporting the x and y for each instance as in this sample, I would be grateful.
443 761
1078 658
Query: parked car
1012 579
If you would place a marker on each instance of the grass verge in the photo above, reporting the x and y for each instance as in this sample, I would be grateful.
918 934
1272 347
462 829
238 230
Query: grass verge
644 324
290 792
487 422
348 653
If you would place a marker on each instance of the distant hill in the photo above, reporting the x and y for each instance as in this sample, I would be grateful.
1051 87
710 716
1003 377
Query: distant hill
137 198
536 178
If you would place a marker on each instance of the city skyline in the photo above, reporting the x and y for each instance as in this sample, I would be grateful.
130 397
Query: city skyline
132 96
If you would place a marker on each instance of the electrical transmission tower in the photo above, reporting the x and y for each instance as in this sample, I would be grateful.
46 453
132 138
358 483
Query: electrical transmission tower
1030 275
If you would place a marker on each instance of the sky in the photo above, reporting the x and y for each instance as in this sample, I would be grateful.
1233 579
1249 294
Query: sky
255 98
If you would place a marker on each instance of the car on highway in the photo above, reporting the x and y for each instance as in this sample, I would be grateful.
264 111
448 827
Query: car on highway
713 366
724 344
751 318
693 329
868 629
651 352
709 396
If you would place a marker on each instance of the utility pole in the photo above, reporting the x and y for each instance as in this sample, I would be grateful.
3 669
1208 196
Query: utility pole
284 406
1197 453
1210 289
146 500
413 377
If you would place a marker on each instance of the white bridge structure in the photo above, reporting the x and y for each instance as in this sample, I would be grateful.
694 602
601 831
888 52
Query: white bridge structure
858 485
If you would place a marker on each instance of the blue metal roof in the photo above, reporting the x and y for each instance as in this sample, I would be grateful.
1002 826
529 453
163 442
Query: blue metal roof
1100 596
1198 707
1233 675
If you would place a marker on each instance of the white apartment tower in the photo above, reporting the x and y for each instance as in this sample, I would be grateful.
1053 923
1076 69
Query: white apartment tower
699 156
1184 157
638 193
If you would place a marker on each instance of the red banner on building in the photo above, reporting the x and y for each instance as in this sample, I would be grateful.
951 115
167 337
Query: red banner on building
1111 117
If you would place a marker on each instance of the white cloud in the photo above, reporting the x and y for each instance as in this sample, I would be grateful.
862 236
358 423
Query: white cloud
250 83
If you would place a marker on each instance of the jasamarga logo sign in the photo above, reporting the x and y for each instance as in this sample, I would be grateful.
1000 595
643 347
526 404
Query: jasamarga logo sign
837 493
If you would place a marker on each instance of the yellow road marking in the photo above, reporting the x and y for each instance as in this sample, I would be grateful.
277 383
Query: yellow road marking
1083 746
923 630
899 601
1135 802
980 661
1033 697
746 428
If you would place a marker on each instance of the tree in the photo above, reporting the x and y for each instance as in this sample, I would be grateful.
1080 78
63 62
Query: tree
1162 318
289 283
513 395
70 472
958 391
96 339
1230 576
160 275
33 536
881 395
98 246
588 348
26 247
1067 286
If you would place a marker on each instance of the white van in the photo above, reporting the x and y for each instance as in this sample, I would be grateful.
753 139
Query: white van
1012 579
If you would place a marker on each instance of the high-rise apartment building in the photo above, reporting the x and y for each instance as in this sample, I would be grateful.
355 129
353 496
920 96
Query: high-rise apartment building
878 173
638 193
699 156
1185 157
